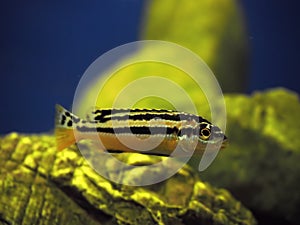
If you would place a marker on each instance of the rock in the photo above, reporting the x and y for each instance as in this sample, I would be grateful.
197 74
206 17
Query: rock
214 30
261 164
211 30
39 185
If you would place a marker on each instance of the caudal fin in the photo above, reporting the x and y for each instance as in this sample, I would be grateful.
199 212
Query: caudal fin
64 131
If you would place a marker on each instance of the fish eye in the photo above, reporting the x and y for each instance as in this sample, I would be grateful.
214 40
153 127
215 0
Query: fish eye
205 133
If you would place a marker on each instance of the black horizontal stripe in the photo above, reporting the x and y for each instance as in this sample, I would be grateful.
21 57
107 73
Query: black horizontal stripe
105 115
114 151
131 130
142 130
149 116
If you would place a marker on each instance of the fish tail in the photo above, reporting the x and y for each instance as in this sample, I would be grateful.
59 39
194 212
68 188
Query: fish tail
64 130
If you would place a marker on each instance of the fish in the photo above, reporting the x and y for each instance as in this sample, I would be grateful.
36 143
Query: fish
146 131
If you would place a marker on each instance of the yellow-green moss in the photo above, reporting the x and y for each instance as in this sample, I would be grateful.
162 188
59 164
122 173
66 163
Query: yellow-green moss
43 186
261 164
213 29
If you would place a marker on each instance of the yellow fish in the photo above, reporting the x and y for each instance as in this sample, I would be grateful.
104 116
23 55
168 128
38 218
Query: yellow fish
118 129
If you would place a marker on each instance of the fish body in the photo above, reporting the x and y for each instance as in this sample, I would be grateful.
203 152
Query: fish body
148 131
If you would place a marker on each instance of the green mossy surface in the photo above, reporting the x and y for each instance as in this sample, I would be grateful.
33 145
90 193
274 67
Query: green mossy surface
39 185
261 164
213 29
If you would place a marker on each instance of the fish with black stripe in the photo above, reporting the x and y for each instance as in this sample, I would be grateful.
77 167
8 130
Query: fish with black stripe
129 130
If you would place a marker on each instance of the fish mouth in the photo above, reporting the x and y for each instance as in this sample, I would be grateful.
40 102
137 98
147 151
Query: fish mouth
224 143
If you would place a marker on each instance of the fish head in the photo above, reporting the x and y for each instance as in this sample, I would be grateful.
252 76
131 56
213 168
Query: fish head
211 134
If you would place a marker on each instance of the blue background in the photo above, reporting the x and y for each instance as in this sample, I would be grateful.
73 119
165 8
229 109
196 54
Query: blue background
46 47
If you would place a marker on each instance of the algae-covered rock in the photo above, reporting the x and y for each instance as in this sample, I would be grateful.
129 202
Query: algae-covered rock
261 164
210 29
39 185
213 29
28 195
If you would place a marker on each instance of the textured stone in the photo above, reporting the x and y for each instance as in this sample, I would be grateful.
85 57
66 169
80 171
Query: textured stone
39 185
213 29
261 164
